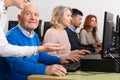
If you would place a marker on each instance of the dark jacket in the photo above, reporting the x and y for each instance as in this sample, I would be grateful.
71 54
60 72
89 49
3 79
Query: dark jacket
74 41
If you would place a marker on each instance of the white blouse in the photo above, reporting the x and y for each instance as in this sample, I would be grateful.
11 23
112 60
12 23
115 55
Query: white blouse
6 49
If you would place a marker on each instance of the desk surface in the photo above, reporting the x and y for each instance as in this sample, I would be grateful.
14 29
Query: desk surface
78 75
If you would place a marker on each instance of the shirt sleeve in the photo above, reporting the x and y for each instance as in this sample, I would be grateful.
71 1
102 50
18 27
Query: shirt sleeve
48 59
26 66
97 39
82 37
23 66
7 50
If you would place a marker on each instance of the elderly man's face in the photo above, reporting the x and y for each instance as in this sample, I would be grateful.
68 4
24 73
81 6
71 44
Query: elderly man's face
29 18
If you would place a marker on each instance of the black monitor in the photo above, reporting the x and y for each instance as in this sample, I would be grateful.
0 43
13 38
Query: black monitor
108 31
118 24
117 33
119 37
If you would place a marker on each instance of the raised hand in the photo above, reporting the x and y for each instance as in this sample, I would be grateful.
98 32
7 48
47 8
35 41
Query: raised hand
50 47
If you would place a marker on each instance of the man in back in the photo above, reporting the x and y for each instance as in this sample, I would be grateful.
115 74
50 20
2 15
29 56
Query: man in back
23 35
72 35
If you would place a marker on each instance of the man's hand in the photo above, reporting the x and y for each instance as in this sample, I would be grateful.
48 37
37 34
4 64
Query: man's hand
56 70
50 47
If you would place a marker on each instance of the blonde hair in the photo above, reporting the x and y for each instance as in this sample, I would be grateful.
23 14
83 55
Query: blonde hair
58 14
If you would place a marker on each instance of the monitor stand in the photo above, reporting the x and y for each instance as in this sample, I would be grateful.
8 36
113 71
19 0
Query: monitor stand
96 63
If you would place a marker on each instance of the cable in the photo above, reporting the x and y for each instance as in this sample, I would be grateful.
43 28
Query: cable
113 57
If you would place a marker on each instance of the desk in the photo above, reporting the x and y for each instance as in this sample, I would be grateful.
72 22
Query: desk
79 75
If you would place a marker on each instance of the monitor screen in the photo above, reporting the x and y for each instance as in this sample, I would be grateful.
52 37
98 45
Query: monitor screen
119 37
107 33
117 32
117 24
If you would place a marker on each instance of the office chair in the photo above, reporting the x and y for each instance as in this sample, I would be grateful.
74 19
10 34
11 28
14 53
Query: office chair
12 24
47 25
38 29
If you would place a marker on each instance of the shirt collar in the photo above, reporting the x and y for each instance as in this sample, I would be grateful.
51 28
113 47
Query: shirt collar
71 27
91 29
25 32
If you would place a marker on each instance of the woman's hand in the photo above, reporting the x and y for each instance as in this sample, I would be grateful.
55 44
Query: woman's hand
50 47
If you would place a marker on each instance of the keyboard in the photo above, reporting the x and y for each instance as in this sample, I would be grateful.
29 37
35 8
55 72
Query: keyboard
72 66
92 56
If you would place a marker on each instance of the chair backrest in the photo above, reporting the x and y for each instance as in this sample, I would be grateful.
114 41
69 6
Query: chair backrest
12 24
38 29
47 25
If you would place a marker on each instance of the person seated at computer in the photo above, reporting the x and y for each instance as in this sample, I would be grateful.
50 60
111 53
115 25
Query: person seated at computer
23 35
88 34
6 49
60 19
71 32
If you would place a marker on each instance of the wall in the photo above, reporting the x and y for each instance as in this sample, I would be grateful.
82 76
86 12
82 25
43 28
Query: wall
96 7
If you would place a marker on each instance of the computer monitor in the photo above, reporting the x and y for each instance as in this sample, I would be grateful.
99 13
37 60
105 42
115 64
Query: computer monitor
117 33
119 37
108 31
118 24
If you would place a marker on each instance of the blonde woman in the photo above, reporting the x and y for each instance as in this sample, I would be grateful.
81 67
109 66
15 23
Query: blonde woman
60 19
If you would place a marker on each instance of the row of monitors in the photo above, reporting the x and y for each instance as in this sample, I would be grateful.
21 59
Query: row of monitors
110 31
